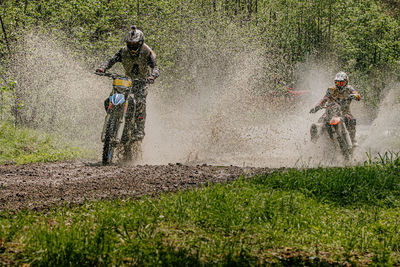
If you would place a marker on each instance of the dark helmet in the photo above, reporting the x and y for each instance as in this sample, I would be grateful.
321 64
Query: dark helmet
341 80
134 40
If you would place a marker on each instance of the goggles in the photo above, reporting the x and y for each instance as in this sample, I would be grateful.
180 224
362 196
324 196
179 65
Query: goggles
340 83
133 46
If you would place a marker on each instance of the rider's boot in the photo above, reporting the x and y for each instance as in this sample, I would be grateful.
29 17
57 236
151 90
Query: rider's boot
129 129
140 121
352 134
351 127
140 116
314 133
139 131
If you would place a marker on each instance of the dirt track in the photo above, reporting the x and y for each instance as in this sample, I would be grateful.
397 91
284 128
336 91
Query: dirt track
42 186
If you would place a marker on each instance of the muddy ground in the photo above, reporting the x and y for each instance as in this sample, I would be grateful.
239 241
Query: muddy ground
43 186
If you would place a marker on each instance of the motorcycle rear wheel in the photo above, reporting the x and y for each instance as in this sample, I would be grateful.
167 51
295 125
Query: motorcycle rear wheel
133 151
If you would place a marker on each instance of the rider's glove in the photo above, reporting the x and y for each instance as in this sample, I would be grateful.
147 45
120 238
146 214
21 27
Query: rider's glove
100 70
150 79
354 96
314 110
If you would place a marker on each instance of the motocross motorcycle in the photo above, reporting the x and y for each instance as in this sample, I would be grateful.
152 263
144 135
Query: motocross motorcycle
333 124
117 134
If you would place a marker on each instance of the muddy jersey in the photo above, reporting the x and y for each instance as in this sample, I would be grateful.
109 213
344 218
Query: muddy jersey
333 94
136 66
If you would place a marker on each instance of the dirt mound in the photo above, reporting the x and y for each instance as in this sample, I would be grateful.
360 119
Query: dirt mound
43 186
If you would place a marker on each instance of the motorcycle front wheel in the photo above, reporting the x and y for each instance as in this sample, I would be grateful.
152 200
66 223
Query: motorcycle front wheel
344 140
108 146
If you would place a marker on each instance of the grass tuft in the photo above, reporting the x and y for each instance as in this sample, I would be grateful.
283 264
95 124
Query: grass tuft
375 183
22 146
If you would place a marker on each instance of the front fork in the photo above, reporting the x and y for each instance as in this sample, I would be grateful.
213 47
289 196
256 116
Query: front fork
343 129
120 124
103 132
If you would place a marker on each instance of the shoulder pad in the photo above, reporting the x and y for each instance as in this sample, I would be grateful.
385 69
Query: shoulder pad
330 90
147 48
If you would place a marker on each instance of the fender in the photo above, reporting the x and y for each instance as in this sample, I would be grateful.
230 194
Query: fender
117 99
335 121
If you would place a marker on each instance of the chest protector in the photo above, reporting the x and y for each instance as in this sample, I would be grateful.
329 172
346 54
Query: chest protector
136 67
341 96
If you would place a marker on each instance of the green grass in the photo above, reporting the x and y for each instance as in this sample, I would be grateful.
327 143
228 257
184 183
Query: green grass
375 183
22 145
297 217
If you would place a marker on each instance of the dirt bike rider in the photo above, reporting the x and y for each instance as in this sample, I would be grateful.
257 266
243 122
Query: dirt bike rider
139 62
342 93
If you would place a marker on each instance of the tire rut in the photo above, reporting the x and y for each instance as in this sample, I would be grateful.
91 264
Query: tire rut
43 186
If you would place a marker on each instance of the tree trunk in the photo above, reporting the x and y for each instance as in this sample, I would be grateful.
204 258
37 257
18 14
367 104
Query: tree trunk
5 35
329 21
25 6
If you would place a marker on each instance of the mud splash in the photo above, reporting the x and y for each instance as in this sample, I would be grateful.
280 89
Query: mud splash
384 132
57 93
229 124
221 120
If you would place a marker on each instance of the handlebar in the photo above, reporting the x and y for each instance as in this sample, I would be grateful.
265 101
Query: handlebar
115 76
108 74
340 102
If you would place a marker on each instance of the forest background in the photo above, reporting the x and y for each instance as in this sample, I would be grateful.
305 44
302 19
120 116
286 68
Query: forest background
49 50
360 37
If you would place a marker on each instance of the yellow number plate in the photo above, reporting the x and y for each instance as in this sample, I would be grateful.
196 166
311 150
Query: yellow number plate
118 82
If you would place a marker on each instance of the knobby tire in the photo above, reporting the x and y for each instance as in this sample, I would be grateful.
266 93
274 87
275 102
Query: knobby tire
108 148
344 146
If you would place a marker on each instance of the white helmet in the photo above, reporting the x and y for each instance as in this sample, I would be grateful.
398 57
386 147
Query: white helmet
341 80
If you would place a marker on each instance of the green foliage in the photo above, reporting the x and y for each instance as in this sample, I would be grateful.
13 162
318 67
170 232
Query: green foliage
21 146
294 218
358 34
6 97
